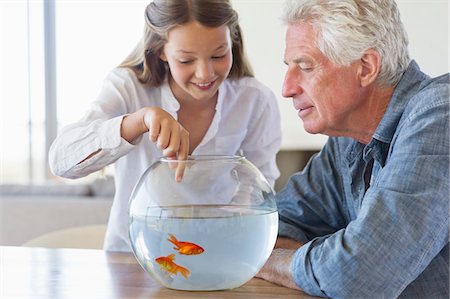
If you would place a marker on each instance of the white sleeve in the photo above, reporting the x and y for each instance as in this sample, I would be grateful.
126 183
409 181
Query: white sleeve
76 142
264 137
98 130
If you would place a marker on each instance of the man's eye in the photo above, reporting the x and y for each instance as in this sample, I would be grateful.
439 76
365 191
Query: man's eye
306 68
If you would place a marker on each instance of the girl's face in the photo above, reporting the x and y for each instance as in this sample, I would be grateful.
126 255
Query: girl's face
199 60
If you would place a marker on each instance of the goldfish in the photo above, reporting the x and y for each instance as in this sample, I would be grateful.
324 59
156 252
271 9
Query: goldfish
167 263
186 248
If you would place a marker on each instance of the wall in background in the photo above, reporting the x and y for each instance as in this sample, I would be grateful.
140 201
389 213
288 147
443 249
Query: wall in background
92 37
426 22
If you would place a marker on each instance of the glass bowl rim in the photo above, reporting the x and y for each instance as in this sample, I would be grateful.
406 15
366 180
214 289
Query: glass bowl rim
207 158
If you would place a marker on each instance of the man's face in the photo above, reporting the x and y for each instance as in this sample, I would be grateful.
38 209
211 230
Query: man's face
328 97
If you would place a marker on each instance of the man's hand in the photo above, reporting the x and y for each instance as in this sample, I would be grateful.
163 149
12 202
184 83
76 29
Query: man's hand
287 243
278 267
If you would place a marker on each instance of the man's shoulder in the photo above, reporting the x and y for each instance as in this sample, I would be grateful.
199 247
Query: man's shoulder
439 81
431 93
437 87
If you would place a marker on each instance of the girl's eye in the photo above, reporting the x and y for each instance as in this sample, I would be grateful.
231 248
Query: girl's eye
184 61
219 57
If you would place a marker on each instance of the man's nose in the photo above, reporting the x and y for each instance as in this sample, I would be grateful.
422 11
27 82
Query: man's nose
291 84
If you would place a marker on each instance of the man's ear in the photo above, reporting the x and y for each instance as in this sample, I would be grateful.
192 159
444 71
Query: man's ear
370 64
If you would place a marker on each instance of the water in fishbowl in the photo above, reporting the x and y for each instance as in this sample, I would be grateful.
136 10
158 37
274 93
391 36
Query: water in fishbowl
203 247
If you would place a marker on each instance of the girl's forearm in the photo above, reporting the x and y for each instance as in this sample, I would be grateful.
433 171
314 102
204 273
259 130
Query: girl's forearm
133 126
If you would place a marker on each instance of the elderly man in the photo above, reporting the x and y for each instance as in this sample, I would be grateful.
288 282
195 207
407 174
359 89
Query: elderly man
368 217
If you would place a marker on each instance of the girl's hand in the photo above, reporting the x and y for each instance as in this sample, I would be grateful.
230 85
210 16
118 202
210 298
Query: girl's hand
169 134
170 137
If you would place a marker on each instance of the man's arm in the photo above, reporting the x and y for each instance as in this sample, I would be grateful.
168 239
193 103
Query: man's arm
278 267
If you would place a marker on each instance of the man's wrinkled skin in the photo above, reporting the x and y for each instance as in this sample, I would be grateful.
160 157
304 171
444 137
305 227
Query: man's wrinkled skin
277 267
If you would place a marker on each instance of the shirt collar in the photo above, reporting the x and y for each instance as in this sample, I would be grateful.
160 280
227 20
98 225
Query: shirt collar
171 104
168 100
378 147
214 127
407 87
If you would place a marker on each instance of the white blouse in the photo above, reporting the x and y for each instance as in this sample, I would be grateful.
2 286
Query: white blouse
246 122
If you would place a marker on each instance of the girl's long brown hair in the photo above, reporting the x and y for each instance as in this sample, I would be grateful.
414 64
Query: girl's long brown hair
163 15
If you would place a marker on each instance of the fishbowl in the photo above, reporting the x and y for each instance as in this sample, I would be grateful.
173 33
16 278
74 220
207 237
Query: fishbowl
201 224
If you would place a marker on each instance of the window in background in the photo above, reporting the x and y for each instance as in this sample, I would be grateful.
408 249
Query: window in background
89 39
92 37
22 92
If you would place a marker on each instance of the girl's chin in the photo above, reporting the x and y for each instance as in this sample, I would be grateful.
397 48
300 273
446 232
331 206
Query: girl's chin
203 95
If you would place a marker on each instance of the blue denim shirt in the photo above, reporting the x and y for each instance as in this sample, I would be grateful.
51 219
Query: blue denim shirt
391 240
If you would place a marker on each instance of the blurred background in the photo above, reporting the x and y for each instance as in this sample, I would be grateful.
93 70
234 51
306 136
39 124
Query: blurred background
55 53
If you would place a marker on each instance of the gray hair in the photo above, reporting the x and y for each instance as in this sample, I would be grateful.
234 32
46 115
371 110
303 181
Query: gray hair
347 28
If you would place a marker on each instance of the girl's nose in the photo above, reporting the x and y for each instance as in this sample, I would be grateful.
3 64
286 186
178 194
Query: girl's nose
204 70
291 84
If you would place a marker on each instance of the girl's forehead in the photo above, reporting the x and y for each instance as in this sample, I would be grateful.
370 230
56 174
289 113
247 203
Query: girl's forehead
194 36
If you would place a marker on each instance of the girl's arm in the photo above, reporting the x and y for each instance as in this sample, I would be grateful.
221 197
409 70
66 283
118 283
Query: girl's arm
169 135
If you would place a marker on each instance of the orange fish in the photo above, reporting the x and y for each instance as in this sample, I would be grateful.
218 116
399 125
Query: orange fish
186 248
167 263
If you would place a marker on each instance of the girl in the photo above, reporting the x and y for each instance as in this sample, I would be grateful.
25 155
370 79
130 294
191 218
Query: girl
187 88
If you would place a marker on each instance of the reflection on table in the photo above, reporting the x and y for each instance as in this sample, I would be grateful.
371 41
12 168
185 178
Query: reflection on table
85 273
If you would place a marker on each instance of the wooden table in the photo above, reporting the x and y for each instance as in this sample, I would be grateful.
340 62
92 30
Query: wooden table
27 272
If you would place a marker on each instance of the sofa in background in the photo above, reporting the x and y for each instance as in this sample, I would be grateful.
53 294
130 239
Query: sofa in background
28 211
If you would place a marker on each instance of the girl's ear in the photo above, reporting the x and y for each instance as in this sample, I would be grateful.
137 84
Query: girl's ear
370 64
162 56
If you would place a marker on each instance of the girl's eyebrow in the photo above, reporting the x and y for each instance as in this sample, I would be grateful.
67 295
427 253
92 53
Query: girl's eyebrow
224 45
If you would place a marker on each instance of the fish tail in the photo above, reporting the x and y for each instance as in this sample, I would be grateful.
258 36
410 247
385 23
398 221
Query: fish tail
185 272
173 240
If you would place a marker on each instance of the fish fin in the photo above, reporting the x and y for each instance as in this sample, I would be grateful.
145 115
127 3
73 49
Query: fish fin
171 256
